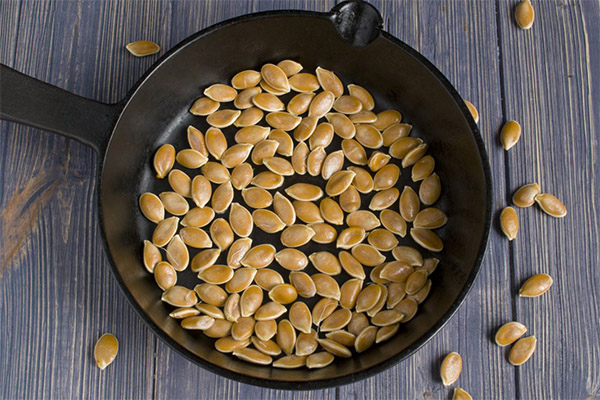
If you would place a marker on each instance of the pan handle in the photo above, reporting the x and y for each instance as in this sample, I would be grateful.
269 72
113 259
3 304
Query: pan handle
29 101
357 22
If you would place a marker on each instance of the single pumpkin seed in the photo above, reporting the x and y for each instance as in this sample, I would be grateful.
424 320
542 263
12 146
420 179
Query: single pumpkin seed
283 120
267 347
286 336
409 204
240 219
386 177
267 220
253 356
363 117
368 297
525 195
382 240
211 294
314 161
141 48
551 205
461 394
164 159
342 125
243 328
473 111
270 89
165 275
151 256
251 135
220 92
332 164
279 166
331 211
264 149
350 200
216 274
329 81
319 360
179 296
283 293
257 197
380 303
393 222
522 350
358 322
296 235
304 82
363 181
509 222
387 317
180 182
195 237
396 271
325 262
387 118
335 348
395 132
386 332
268 102
303 283
509 333
510 134
362 95
300 317
216 144
174 203
249 118
351 265
265 330
396 293
429 265
368 136
222 197
401 147
164 231
354 151
307 211
422 168
204 259
275 77
378 160
347 105
367 255
430 218
221 233
223 118
106 350
336 321
365 339
306 343
291 259
350 237
286 145
414 155
524 14
339 182
299 158
326 286
408 307
324 233
246 79
251 300
299 103
268 180
259 256
201 190
215 172
270 310
267 278
221 328
284 209
427 239
152 207
235 155
344 338
384 199
536 285
451 368
231 309
241 280
349 292
204 106
184 312
243 100
229 344
430 189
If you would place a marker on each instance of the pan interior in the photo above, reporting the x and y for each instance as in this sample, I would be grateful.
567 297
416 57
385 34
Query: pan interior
158 114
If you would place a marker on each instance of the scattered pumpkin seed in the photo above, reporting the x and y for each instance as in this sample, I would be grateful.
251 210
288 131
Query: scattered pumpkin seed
141 48
275 77
246 79
401 147
152 256
324 233
164 159
510 134
152 207
509 223
525 195
231 309
363 117
522 350
165 275
367 255
473 111
382 240
395 132
259 256
451 368
326 286
204 106
536 285
509 333
220 92
223 118
243 100
422 168
349 292
551 205
106 350
322 136
358 322
347 105
427 239
362 95
430 189
524 14
286 145
184 312
268 102
461 394
325 262
219 329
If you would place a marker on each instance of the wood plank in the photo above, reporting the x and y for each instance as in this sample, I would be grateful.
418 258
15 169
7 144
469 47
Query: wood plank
550 88
55 276
9 19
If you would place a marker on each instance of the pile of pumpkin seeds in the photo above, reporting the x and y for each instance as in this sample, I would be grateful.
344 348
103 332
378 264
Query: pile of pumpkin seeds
340 194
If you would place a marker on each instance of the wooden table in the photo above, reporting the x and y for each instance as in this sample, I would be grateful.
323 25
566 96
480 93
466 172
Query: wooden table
58 296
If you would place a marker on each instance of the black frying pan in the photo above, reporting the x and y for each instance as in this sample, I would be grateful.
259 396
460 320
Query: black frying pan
348 40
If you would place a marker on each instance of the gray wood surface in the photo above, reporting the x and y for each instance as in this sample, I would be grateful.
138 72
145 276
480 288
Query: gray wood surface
57 294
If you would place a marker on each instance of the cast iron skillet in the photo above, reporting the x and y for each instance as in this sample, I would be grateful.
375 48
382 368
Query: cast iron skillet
348 40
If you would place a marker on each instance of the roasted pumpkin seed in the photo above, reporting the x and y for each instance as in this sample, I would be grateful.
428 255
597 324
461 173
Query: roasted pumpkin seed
386 333
451 368
205 259
314 161
429 265
473 111
367 255
387 317
279 166
380 303
180 182
387 118
350 200
215 172
396 293
270 310
395 132
524 14
243 100
525 195
362 95
551 205
363 117
204 106
106 350
179 296
216 274
536 285
510 134
257 197
251 135
329 81
296 235
243 328
336 321
152 207
349 292
350 237
184 312
509 222
335 348
358 322
265 330
384 199
368 136
306 343
164 159
201 191
304 82
164 231
283 293
221 233
430 189
240 219
229 344
235 155
378 160
231 309
141 48
363 181
221 328
339 182
430 218
368 297
267 278
211 294
249 118
283 120
290 67
344 338
522 350
365 339
289 362
382 240
354 151
174 203
401 147
409 204
319 360
268 180
246 79
509 333
300 317
259 256
195 237
461 394
322 136
222 197
220 92
332 164
299 157
414 155
396 271
268 102
267 220
331 211
342 125
165 275
250 301
393 222
307 211
284 209
270 89
267 347
422 168
325 262
241 280
326 286
253 356
351 265
427 239
275 77
303 283
286 145
223 118
299 103
151 256
291 259
286 336
347 105
408 307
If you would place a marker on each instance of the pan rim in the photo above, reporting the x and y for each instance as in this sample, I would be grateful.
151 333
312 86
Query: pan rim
359 374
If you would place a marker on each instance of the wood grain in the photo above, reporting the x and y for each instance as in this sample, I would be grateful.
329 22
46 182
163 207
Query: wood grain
57 295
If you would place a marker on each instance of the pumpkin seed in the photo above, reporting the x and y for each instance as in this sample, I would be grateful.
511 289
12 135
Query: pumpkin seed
335 348
291 259
368 298
184 312
332 164
268 102
414 155
290 67
386 333
386 177
409 204
251 135
524 14
195 237
216 144
510 134
342 125
350 237
430 189
299 158
283 293
249 118
275 77
300 317
265 330
358 322
246 79
344 338
349 292
362 95
201 191
307 211
473 111
396 271
286 145
367 255
393 222
525 196
204 106
536 286
368 136
322 136
180 182
415 282
522 350
141 48
253 356
289 362
221 233
551 205
215 172
429 265
363 117
451 368
365 339
241 280
380 303
284 209
350 200
174 203
378 160
351 265
151 256
296 235
384 199
422 168
221 328
387 118
205 259
240 219
396 293
408 307
382 240
222 197
325 262
299 103
314 161
259 256
231 309
326 286
243 328
267 347
235 155
303 283
229 344
286 336
324 233
430 218
223 118
339 182
336 321
257 197
319 360
388 317
268 278
401 147
395 132
509 223
106 350
363 182
211 294
270 310
329 81
461 394
251 300
267 220
268 180
279 166
216 274
347 105
165 275
164 231
220 92
164 159
283 120
152 207
354 151
179 296
306 343
509 333
268 88
304 82
243 100
210 310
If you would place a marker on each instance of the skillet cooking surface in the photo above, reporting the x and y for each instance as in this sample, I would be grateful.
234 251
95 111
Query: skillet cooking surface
397 77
